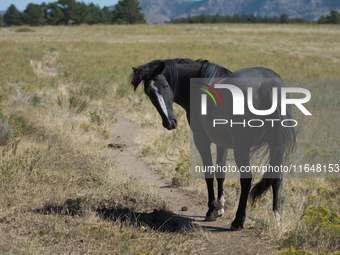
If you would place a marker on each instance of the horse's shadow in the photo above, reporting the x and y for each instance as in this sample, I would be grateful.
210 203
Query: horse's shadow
158 219
151 217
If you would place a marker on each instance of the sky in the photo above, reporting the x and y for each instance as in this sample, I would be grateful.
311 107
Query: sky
21 4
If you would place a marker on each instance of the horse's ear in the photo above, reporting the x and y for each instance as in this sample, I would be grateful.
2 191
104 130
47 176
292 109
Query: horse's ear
160 68
137 77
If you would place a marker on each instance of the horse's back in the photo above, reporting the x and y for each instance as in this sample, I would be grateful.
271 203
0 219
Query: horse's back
237 129
255 72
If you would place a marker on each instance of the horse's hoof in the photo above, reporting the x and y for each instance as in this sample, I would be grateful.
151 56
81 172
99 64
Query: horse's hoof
212 214
220 205
235 226
210 218
277 217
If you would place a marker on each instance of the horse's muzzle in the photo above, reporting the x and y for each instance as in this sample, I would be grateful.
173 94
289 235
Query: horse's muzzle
170 124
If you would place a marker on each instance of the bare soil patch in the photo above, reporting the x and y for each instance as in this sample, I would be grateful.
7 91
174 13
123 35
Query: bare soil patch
220 239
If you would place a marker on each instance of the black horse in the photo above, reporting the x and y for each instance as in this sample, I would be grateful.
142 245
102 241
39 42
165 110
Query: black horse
168 81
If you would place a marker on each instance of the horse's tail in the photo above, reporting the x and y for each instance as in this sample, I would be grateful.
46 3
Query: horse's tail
260 188
278 138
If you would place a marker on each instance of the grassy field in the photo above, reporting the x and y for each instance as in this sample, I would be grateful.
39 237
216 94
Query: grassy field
61 89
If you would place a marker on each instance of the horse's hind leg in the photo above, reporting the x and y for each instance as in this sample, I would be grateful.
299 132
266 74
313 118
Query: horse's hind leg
276 187
276 158
221 159
272 177
241 155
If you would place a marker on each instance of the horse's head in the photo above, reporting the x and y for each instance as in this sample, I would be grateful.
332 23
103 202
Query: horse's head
157 88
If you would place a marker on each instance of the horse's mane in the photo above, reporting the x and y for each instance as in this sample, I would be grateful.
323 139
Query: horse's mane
211 70
208 70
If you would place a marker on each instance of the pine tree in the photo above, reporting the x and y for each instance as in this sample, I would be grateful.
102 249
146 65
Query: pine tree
284 18
12 16
54 14
97 15
128 12
107 15
322 20
2 23
33 15
80 12
66 7
334 17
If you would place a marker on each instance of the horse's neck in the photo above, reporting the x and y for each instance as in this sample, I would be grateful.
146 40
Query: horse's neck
182 92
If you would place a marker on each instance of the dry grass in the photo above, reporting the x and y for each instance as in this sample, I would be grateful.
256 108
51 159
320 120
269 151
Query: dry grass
62 79
62 191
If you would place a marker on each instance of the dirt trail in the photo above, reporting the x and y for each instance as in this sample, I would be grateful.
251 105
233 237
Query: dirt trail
221 240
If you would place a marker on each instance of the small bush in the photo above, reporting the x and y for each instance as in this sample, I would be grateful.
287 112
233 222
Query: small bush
74 103
24 29
78 103
182 168
85 127
146 151
317 154
17 93
320 226
20 125
95 118
102 118
292 251
6 132
323 224
35 99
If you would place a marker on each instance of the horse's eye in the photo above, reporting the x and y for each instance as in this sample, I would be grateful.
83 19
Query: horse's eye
148 91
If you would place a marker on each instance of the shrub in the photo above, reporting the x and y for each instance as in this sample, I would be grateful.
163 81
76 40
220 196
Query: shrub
292 251
20 125
24 29
323 223
6 131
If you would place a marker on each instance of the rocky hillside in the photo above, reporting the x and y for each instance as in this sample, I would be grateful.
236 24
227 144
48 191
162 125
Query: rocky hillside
158 11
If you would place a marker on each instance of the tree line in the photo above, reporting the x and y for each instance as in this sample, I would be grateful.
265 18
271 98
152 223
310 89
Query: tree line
333 18
65 12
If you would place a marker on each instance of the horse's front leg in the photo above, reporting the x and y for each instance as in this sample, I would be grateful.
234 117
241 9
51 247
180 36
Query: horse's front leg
212 213
221 159
203 146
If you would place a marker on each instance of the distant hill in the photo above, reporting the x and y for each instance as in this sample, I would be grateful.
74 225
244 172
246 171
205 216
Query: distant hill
158 11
